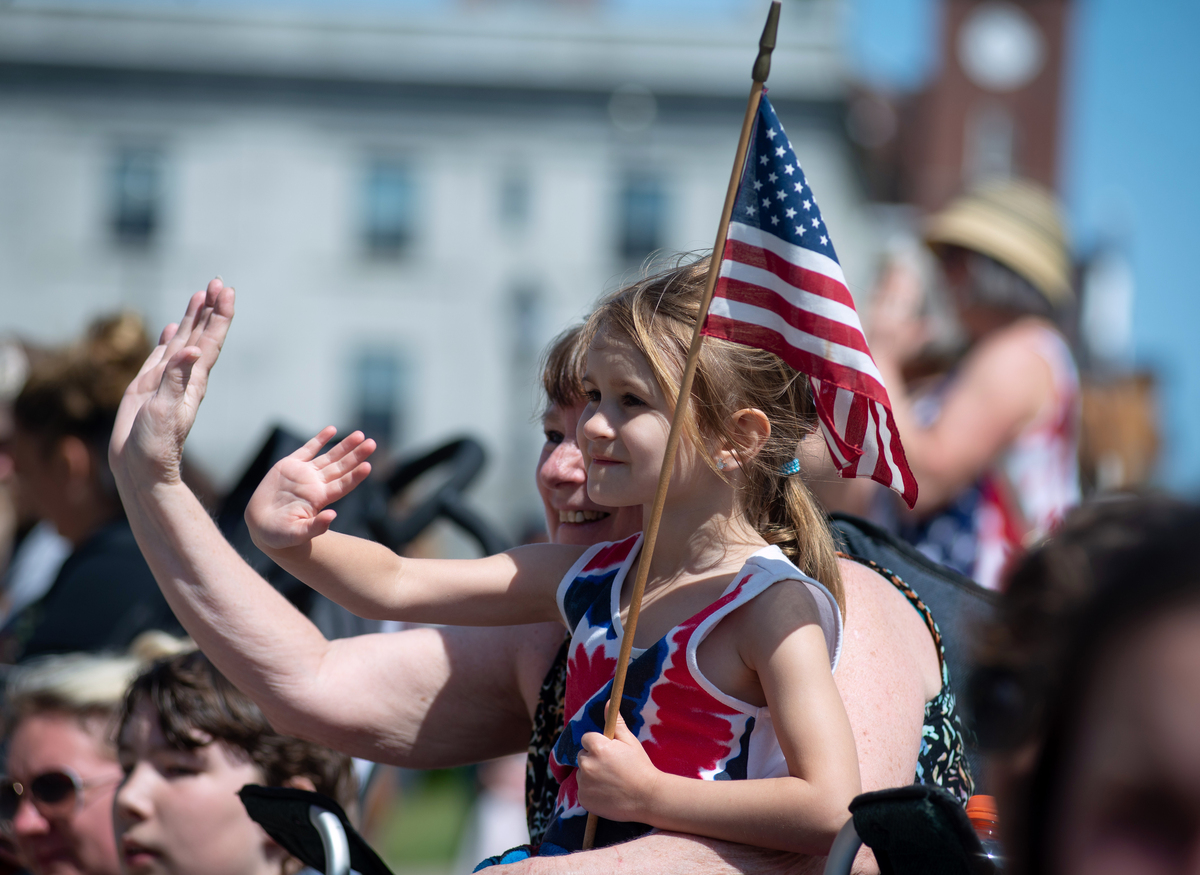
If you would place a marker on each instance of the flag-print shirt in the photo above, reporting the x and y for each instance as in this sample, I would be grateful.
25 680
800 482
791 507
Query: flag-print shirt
686 725
1024 495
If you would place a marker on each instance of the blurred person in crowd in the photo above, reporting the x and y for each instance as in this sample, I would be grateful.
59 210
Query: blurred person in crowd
188 740
1088 693
33 551
14 365
993 444
61 773
104 595
436 697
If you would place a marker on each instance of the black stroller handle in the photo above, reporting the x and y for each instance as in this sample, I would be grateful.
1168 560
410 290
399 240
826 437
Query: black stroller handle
305 824
466 458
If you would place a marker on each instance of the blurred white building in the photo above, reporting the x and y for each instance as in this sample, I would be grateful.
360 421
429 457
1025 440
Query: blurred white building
410 205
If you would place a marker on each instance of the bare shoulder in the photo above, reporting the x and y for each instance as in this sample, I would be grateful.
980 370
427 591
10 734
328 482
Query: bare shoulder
783 607
1018 347
536 645
882 626
782 622
543 556
889 669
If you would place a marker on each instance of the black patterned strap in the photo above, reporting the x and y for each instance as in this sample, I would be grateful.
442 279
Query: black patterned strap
541 789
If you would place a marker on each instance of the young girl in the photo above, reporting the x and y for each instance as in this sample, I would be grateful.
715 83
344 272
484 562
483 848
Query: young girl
737 638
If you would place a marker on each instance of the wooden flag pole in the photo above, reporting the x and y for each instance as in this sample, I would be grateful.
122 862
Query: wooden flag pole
762 67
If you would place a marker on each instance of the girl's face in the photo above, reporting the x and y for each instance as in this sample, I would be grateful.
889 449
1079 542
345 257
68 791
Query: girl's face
77 840
572 517
623 430
177 812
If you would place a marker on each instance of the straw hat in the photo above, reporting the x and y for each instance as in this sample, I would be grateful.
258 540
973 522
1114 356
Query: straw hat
1019 224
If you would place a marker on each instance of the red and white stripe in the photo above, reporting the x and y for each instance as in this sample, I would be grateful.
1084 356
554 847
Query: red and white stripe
794 302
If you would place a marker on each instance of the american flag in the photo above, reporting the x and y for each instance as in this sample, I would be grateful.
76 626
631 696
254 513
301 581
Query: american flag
781 289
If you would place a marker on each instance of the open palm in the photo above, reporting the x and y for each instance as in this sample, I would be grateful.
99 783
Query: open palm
289 507
159 406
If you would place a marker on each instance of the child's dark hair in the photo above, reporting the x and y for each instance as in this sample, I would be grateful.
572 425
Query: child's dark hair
658 316
196 704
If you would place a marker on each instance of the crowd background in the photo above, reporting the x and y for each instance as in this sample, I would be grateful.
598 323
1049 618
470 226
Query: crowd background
368 159
474 188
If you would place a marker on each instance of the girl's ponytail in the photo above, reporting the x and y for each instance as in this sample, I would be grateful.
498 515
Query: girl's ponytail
790 519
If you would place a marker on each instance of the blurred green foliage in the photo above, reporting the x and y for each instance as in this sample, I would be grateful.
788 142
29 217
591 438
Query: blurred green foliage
425 825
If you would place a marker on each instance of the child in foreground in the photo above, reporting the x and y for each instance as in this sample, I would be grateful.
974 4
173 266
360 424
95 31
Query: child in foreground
740 626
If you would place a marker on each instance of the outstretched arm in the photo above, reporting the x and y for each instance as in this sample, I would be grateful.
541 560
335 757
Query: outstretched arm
1002 386
289 519
397 698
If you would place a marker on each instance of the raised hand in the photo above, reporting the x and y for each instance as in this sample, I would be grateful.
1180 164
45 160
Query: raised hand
894 323
617 780
289 506
159 406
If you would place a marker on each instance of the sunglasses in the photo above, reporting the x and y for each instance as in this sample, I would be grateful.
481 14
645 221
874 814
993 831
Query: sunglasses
55 794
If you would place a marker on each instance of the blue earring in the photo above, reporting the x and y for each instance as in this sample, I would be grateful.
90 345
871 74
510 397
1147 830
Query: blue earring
790 467
720 464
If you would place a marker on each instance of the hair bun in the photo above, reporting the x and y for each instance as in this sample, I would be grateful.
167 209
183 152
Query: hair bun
77 390
118 340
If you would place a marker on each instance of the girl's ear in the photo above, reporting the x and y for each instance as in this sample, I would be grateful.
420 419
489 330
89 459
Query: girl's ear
751 429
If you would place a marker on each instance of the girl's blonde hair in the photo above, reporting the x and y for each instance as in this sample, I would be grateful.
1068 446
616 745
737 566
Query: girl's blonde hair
658 316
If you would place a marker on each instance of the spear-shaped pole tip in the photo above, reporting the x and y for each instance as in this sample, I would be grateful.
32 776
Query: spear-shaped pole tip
762 64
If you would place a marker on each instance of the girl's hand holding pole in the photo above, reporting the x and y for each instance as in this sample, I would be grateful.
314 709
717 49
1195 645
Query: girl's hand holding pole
289 507
617 780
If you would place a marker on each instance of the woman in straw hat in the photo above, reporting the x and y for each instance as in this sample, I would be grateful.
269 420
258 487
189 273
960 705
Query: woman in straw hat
994 444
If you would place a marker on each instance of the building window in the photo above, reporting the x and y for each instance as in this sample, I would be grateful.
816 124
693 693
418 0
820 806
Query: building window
990 144
514 200
641 216
526 322
390 209
136 195
378 392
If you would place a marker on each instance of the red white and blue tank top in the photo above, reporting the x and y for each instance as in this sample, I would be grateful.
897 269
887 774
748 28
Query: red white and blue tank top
686 725
1027 491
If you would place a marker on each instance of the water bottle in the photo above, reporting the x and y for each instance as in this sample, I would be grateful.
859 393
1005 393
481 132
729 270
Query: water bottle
981 811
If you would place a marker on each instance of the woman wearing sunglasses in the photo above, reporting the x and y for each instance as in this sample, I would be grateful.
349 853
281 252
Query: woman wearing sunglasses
56 799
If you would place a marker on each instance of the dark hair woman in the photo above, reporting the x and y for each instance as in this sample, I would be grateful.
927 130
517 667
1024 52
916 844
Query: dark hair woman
104 595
